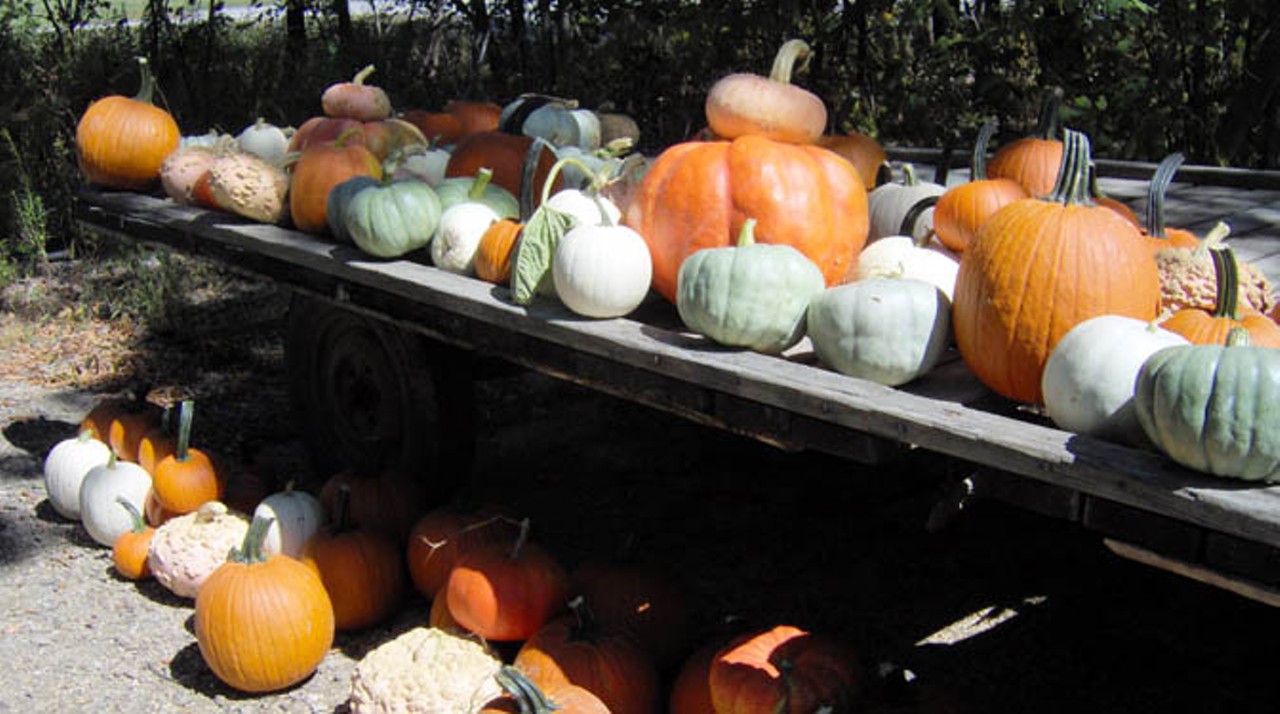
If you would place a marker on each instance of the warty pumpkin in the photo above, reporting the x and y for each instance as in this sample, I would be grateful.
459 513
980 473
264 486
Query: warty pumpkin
742 104
1039 267
121 142
698 195
262 622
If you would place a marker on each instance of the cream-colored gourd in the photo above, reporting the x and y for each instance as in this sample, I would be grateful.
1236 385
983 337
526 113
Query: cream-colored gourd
461 227
425 670
250 186
186 550
296 516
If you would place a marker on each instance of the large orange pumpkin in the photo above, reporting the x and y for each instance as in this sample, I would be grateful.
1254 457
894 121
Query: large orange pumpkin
698 194
785 670
1040 266
263 623
121 142
315 173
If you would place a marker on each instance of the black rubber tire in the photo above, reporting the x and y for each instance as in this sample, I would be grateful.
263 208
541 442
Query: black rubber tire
369 396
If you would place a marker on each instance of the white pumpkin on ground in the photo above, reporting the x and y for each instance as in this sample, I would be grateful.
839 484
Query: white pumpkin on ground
296 516
602 271
887 330
65 467
904 207
1089 381
909 257
100 494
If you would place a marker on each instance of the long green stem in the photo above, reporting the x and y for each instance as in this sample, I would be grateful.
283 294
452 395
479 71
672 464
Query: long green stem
784 63
186 412
1160 181
250 551
147 87
1227 272
1072 186
978 161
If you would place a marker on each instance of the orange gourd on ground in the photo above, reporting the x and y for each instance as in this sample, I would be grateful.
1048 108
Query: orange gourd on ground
698 195
785 670
743 104
187 478
262 623
443 534
129 552
121 142
1039 267
507 593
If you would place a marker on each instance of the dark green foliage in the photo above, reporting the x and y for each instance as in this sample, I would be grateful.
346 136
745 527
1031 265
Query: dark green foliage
1142 79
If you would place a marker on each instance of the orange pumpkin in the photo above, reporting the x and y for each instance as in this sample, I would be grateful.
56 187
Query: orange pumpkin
315 173
186 478
1205 327
156 513
698 194
356 100
388 501
121 142
1036 269
1033 161
506 155
639 600
784 670
381 137
445 533
691 690
158 442
574 648
263 623
129 552
524 697
475 115
437 127
743 104
866 154
506 594
961 210
493 256
362 570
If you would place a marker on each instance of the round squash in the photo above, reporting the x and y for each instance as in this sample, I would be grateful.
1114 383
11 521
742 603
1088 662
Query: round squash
392 219
121 142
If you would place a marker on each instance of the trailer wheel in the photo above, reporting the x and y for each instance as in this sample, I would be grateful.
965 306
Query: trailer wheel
369 396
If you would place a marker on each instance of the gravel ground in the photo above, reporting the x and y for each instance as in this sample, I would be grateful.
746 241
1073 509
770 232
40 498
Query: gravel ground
1002 612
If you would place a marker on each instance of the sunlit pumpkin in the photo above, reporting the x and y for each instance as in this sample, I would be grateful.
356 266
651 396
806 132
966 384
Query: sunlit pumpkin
121 142
317 171
961 210
743 104
1034 160
785 670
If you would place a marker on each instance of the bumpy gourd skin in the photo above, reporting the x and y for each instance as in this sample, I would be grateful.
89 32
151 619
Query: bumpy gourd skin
752 296
1214 408
425 670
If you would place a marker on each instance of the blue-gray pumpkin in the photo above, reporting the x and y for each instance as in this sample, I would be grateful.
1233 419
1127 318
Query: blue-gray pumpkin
391 220
336 205
752 295
1214 408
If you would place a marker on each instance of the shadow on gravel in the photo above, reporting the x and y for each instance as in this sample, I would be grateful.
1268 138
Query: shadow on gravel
155 592
37 436
189 670
14 547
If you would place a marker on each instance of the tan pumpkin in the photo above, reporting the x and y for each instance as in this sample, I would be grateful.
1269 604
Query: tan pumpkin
355 99
250 186
742 104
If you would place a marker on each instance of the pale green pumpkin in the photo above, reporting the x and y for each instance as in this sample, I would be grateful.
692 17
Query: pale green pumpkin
478 189
887 330
1214 408
752 295
391 220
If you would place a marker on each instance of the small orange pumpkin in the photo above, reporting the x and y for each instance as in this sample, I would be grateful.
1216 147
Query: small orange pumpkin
121 142
742 104
443 534
185 479
356 100
493 256
504 594
1205 327
315 173
361 570
129 552
1033 161
961 210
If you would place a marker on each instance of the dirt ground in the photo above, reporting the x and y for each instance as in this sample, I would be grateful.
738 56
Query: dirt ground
1003 611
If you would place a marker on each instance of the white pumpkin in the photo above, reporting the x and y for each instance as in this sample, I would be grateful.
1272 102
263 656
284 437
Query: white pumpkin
1088 381
296 516
904 257
602 271
264 140
462 225
887 330
587 209
559 121
903 208
103 486
65 467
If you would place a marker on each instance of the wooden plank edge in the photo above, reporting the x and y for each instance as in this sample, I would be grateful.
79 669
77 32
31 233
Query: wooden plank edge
1239 586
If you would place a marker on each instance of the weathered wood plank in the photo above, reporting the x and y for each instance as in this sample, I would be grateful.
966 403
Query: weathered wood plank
469 311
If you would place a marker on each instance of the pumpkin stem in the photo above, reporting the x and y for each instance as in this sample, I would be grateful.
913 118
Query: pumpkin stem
1211 240
480 184
1227 272
147 83
521 539
978 161
587 628
1047 127
909 176
135 517
211 510
341 141
784 63
186 412
908 227
362 75
593 185
527 695
1072 186
1238 337
250 551
342 510
1160 181
747 235
527 174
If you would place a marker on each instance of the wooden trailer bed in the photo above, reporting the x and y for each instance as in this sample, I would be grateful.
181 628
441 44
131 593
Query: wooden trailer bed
1216 530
